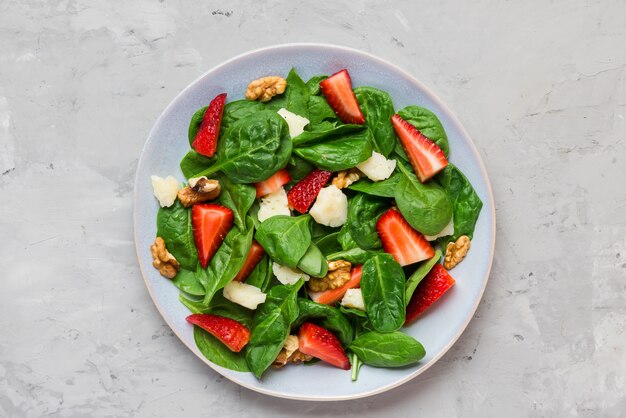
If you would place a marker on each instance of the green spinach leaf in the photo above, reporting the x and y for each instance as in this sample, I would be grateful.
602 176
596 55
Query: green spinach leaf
295 98
238 198
237 110
384 188
298 168
377 107
307 138
261 275
419 274
339 153
428 124
313 85
363 213
354 255
193 163
329 317
187 281
216 352
174 226
393 349
328 243
285 238
382 285
320 111
313 262
425 206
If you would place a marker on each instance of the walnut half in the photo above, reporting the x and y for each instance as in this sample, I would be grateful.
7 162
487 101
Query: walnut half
346 178
456 251
199 190
163 260
338 274
263 89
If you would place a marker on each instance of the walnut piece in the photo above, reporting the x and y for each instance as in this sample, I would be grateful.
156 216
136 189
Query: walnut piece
456 251
338 274
163 260
346 178
263 89
290 353
199 190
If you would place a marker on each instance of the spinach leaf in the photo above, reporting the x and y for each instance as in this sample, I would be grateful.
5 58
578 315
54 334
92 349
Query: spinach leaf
174 226
328 243
216 352
193 163
419 274
253 149
315 137
354 255
384 188
285 238
363 213
319 230
237 110
329 317
338 153
393 349
425 206
313 262
428 124
272 322
382 285
187 281
320 111
261 275
238 198
220 306
314 84
377 108
195 122
295 98
227 261
465 202
345 239
352 311
298 169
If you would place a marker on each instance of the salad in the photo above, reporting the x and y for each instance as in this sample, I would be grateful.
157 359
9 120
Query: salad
317 221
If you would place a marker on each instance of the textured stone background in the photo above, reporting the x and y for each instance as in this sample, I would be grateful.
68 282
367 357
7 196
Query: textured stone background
539 85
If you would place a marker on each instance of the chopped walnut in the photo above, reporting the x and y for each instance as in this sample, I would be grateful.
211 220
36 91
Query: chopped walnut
263 89
164 261
346 178
290 353
456 251
200 189
338 274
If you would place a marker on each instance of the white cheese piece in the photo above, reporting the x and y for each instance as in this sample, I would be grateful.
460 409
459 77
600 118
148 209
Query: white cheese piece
291 345
353 299
377 167
165 190
448 230
274 204
287 275
330 207
243 294
295 122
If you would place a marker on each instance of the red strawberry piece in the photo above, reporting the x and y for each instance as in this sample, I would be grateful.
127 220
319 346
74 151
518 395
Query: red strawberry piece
210 224
338 91
272 184
328 297
303 194
399 239
205 142
425 156
322 344
432 287
254 256
233 334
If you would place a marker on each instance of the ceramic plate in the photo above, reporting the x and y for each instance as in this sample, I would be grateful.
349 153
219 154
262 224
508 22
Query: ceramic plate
167 144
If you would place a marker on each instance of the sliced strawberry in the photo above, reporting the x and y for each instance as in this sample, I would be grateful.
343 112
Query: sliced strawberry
205 142
399 239
303 194
254 256
322 344
210 223
432 287
338 91
426 157
275 182
233 334
331 296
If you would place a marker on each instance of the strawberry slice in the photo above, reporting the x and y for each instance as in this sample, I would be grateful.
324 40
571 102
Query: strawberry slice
275 182
338 91
233 334
254 256
331 296
425 156
303 194
322 344
210 224
399 239
432 287
205 142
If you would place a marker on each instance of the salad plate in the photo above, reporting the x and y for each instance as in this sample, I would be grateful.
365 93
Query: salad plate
168 143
